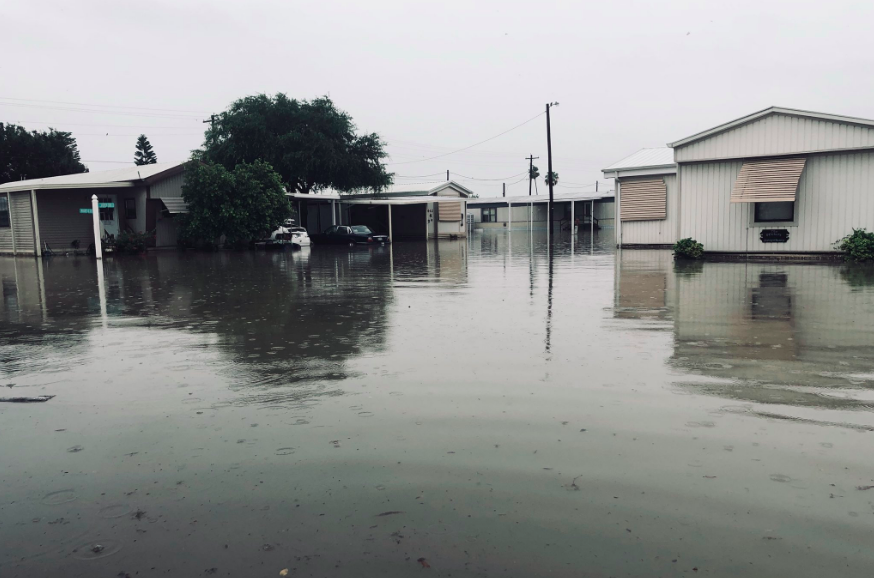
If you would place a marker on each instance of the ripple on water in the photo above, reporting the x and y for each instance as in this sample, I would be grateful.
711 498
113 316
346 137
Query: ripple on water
75 449
365 413
97 549
284 451
58 498
115 511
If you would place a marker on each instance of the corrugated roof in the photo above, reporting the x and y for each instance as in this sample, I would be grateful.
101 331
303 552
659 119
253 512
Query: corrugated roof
645 158
112 178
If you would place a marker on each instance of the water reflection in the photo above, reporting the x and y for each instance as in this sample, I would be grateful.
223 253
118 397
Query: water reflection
783 335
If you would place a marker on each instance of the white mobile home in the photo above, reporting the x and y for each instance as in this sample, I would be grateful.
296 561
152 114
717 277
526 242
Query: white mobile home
776 181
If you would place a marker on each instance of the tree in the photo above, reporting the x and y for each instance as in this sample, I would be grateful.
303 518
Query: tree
37 155
533 172
144 154
554 179
242 204
311 144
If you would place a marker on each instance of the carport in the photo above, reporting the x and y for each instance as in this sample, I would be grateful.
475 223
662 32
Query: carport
401 215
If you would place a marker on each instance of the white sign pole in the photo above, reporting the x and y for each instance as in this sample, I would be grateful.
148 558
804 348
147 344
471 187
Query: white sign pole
95 216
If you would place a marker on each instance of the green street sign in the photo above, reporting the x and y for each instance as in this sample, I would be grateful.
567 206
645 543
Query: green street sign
99 205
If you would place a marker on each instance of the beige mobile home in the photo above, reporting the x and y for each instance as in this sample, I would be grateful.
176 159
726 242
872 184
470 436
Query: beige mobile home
53 213
776 181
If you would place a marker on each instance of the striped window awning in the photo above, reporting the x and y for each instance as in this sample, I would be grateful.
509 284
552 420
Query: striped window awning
768 181
449 211
644 200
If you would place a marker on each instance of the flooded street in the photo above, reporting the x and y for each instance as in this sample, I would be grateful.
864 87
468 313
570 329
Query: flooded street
463 408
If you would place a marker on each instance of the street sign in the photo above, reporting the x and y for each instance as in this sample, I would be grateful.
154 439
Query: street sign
85 211
105 205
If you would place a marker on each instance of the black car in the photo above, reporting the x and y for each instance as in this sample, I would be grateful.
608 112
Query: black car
349 235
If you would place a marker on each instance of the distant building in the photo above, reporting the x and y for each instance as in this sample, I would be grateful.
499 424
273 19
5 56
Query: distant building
776 181
40 213
532 211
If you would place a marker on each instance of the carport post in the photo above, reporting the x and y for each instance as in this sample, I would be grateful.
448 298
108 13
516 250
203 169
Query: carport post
95 217
390 238
333 215
509 216
592 220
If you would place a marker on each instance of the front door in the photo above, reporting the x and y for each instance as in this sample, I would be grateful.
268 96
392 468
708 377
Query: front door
108 215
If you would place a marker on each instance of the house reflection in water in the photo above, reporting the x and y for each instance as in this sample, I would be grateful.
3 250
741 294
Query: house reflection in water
781 334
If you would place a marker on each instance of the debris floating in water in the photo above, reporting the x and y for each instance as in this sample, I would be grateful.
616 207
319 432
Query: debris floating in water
391 513
34 399
423 562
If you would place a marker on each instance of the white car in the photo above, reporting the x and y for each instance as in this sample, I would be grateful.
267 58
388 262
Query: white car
299 236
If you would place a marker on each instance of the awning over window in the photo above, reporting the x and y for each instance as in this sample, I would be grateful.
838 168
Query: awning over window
644 200
768 181
175 205
449 211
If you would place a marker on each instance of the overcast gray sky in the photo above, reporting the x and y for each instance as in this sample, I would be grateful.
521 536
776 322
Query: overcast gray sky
432 77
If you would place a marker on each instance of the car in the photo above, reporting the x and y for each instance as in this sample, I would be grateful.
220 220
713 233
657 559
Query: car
349 235
299 236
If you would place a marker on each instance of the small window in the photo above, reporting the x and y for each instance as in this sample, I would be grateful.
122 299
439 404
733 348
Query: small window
490 215
107 214
4 212
775 212
130 209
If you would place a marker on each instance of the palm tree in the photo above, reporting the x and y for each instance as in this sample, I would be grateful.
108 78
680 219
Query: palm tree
554 179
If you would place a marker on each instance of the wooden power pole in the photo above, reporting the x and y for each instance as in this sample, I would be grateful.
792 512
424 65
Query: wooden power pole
530 171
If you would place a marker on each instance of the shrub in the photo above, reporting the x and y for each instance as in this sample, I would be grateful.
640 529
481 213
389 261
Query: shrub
688 248
131 242
858 246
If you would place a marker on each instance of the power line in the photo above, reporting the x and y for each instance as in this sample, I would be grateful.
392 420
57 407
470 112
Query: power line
418 176
468 147
93 111
91 124
476 179
101 105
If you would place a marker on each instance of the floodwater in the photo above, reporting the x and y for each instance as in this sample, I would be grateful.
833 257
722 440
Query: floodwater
464 408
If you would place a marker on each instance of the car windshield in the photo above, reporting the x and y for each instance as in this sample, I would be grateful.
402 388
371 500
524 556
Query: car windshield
361 230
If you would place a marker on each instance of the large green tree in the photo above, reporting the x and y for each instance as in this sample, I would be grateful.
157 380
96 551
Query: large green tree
242 204
36 155
145 154
311 144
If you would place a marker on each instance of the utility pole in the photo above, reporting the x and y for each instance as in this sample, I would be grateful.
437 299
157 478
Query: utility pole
447 175
596 186
530 170
549 178
505 189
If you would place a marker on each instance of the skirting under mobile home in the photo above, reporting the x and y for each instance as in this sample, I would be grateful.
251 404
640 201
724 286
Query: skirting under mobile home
776 181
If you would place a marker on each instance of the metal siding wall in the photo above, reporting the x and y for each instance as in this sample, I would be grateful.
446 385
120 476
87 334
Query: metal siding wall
659 232
6 236
60 222
170 188
22 222
777 134
834 196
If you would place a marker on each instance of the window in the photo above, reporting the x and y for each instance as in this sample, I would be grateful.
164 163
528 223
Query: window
490 215
107 214
4 211
775 212
130 209
361 230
